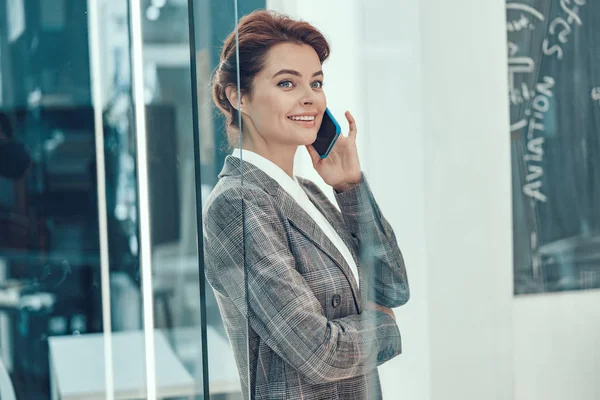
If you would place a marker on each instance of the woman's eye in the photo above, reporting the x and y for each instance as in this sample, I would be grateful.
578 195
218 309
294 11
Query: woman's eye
286 84
317 85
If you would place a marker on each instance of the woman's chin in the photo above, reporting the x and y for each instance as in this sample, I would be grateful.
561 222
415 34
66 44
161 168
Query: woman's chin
309 137
303 137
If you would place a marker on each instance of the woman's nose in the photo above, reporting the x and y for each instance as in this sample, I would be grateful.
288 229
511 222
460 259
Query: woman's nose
309 97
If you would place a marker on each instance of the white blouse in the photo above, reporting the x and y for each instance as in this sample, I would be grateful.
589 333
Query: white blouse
294 189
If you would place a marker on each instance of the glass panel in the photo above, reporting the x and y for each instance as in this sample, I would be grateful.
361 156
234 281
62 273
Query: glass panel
97 103
289 259
173 160
214 22
51 259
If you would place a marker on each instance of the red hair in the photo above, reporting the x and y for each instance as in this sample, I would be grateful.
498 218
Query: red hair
257 33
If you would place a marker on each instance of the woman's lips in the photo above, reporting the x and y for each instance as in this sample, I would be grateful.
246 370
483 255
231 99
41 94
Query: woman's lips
304 123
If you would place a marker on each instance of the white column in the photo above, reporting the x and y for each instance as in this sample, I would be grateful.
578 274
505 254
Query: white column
468 215
145 237
94 38
392 78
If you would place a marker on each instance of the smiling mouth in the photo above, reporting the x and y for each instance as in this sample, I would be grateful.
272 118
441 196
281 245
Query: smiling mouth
308 118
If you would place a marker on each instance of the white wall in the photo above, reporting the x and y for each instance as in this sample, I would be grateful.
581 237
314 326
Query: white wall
394 145
557 346
468 198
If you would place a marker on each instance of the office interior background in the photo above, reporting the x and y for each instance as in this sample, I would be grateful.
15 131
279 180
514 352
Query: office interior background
478 131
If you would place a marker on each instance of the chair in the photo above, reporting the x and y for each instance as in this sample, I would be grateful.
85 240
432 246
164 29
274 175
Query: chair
7 392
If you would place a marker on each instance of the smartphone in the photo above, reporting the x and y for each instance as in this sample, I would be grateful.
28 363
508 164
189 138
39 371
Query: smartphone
328 134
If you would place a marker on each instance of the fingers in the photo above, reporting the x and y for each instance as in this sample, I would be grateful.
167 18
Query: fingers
374 306
352 125
386 310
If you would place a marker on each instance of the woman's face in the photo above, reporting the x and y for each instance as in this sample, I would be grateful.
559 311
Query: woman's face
287 102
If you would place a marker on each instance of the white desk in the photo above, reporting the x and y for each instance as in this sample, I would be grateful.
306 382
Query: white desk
77 367
222 371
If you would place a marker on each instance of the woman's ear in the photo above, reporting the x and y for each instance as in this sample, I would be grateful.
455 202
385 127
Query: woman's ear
232 95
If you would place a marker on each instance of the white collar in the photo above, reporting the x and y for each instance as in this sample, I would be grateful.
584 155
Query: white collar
292 186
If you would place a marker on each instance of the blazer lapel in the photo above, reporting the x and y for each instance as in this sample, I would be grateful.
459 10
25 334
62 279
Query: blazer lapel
332 214
307 226
297 216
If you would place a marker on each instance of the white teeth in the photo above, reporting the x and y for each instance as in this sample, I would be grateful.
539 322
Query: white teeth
303 118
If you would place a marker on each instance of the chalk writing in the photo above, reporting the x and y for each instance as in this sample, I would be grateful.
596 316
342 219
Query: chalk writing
526 8
518 65
518 125
536 260
521 95
519 24
596 93
561 27
535 143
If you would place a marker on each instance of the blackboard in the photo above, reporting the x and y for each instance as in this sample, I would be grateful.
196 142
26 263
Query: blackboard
554 91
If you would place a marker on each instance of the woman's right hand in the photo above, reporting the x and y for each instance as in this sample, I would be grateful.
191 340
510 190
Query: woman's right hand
374 306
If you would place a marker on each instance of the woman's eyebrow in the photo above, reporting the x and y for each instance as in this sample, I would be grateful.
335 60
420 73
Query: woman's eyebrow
296 73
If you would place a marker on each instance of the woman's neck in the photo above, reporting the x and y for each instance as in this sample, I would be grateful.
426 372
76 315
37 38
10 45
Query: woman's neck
282 156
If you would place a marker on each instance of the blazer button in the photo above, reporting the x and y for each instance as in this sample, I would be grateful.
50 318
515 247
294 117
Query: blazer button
336 300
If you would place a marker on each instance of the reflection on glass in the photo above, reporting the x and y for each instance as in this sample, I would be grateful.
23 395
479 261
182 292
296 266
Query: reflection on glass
66 82
555 113
305 287
49 244
169 137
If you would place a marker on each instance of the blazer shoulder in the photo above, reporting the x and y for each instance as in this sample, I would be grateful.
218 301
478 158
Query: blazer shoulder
229 191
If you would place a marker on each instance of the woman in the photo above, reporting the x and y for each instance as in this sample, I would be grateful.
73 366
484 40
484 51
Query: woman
307 315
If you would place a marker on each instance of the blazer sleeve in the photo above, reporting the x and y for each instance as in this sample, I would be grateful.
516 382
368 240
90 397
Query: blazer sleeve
376 244
248 237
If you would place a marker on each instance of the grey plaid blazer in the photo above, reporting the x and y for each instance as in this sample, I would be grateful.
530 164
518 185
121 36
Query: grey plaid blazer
290 303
